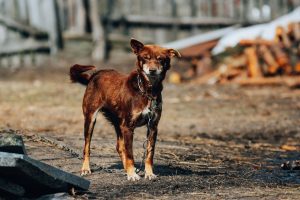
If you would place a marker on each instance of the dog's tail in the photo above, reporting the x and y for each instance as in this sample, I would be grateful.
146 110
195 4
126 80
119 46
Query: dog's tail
81 73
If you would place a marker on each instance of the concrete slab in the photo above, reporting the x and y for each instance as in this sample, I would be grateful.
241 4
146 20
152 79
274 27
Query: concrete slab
36 177
8 188
11 143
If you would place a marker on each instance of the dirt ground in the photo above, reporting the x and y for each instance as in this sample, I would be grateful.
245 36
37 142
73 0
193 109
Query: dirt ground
214 142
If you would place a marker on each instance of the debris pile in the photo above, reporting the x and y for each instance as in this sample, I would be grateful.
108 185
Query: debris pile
263 54
252 60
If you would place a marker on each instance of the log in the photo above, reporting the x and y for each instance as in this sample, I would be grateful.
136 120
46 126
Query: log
280 55
269 59
283 37
297 68
283 59
249 42
295 31
233 73
291 82
209 78
253 66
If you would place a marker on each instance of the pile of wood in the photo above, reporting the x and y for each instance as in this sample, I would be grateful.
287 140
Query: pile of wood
261 61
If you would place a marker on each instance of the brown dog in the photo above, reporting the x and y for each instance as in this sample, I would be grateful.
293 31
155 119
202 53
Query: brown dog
127 101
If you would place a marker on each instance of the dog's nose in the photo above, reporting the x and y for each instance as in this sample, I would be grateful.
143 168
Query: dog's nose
152 71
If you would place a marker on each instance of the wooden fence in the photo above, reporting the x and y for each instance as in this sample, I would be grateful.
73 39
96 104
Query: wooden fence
112 22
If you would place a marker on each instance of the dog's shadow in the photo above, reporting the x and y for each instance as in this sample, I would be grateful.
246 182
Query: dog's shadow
165 170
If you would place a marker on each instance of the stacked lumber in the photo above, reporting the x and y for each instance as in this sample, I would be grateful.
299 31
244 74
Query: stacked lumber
261 61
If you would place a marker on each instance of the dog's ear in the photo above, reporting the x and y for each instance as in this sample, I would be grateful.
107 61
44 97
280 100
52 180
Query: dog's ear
173 52
136 46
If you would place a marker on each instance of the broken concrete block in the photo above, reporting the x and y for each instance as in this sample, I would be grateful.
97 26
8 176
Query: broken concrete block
7 187
11 143
37 178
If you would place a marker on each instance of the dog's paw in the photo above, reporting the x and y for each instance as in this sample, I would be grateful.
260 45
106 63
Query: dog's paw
133 177
85 172
150 176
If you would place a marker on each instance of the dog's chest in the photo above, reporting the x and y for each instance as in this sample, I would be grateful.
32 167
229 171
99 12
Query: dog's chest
149 113
146 111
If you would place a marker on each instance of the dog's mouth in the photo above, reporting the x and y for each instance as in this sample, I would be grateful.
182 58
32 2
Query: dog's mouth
153 78
153 75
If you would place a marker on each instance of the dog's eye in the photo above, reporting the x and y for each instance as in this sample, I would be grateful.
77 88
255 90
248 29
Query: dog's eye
146 57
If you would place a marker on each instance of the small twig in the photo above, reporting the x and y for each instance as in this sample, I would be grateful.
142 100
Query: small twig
173 154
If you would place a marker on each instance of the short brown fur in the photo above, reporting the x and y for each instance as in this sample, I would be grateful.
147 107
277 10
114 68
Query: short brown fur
123 102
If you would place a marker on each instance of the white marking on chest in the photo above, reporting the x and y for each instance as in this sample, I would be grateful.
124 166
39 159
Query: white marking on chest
145 111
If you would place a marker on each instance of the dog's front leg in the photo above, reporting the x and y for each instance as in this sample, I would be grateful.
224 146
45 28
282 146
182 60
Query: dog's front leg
125 147
150 153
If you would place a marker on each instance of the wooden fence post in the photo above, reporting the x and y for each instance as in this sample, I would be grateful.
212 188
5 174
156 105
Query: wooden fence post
97 32
80 17
160 34
174 15
59 39
193 8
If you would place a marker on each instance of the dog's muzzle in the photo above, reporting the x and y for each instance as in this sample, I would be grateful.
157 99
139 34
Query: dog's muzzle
153 75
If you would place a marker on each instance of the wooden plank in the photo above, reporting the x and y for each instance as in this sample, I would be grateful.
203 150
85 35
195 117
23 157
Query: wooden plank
250 42
23 29
280 55
26 46
269 59
143 20
198 50
180 21
296 31
253 65
290 81
282 36
59 38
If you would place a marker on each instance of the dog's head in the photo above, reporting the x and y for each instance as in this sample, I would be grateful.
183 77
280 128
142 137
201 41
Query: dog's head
152 60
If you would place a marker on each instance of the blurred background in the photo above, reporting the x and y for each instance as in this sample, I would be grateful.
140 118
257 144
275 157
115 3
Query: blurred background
31 30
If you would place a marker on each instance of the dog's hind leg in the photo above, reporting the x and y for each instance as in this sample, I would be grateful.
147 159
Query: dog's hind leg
89 124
